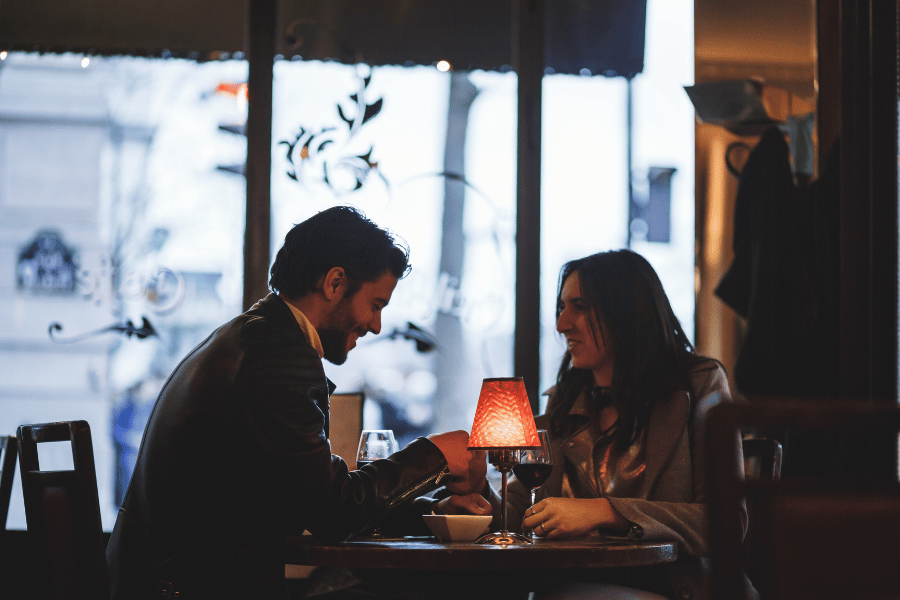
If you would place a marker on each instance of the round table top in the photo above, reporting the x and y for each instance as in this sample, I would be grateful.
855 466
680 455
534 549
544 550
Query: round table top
430 554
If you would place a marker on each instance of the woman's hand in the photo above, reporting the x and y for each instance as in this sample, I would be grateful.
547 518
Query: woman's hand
470 504
571 517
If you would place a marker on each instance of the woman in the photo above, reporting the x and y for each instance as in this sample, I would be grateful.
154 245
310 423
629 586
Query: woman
626 420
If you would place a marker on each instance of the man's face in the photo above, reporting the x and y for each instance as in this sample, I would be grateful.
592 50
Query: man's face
354 317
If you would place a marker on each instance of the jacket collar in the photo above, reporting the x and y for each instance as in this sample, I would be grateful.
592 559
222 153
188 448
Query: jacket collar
273 307
309 332
668 423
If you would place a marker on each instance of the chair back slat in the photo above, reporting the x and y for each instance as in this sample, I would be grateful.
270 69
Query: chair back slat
8 452
62 512
762 462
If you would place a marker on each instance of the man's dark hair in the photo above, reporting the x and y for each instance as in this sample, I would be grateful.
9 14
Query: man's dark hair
340 236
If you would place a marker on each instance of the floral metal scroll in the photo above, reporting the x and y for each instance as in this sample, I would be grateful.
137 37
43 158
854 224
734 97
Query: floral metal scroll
325 148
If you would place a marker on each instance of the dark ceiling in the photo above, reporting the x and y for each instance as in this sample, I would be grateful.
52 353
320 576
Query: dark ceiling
602 36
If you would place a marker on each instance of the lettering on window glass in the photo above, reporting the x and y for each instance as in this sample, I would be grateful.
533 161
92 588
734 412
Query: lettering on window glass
162 288
47 265
481 312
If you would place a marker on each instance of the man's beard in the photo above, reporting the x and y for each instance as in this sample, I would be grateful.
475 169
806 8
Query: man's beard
334 345
335 334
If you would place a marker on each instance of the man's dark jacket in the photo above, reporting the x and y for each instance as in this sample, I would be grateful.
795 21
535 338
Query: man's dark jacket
235 457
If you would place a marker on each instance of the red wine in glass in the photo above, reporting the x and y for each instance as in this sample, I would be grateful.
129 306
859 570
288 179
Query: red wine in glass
532 475
534 466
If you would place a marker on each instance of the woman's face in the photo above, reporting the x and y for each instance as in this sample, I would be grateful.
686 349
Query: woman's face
583 334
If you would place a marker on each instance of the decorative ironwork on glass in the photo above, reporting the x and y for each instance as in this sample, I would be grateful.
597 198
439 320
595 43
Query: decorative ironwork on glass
47 266
127 329
342 171
425 342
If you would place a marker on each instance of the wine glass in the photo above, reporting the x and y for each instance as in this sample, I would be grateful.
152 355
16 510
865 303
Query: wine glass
375 444
533 467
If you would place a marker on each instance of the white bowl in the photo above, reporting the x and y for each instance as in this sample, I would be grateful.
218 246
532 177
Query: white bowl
457 528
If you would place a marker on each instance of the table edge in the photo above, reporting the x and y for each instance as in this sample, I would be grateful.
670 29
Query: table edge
422 554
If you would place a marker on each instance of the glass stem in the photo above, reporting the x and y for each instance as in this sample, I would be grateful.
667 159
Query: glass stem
503 529
533 498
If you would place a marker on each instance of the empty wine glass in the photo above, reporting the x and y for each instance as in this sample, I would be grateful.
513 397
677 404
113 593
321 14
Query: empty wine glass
533 466
375 444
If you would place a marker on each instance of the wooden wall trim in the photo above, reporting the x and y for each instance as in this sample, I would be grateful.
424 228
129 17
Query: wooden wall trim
868 109
528 52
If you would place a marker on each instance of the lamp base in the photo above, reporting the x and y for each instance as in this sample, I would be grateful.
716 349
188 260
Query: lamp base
503 538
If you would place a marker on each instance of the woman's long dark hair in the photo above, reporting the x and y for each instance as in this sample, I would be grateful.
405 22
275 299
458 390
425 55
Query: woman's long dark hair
652 354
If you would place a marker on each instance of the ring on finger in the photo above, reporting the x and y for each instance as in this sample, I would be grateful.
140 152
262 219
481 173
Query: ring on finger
542 527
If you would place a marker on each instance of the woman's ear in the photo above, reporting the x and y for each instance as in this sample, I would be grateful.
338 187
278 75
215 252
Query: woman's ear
335 283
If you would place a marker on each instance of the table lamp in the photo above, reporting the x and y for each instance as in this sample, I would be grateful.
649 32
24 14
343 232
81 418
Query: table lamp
503 424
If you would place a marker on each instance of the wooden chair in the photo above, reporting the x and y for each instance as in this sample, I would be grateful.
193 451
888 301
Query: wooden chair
814 538
762 461
62 512
345 425
8 451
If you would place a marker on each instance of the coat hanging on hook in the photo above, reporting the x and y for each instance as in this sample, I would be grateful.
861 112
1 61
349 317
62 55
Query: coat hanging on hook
781 278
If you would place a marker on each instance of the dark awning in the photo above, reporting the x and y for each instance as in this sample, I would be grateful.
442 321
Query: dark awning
602 36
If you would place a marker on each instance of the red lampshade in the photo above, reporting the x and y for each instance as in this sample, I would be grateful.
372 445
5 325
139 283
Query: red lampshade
503 419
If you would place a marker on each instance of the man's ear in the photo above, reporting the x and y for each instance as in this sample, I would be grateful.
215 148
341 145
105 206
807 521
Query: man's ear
335 284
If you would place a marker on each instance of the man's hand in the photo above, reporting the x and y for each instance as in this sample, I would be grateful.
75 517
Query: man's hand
467 469
470 504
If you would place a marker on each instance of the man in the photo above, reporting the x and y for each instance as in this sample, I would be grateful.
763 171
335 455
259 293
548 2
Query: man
235 455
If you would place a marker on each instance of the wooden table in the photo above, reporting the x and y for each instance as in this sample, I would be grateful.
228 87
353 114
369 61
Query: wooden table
450 569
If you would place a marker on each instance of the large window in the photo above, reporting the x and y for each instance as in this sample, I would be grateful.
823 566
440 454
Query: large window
122 199
121 241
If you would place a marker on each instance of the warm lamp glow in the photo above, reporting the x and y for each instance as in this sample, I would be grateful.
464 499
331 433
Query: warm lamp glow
503 419
503 424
